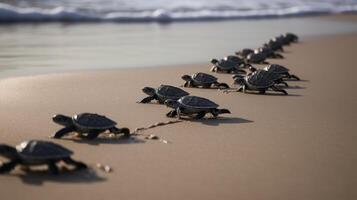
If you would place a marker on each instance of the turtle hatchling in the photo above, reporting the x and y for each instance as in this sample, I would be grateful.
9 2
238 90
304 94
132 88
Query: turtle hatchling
163 93
277 78
268 52
278 69
244 52
202 80
224 66
259 80
291 37
88 125
36 152
275 45
193 106
256 58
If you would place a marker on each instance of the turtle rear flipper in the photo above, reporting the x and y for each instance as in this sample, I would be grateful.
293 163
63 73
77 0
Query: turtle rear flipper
222 85
279 90
216 112
294 77
77 164
124 131
7 167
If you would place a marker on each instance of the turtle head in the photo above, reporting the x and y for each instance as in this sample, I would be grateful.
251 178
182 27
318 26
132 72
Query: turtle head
214 61
8 151
149 91
171 103
62 120
186 77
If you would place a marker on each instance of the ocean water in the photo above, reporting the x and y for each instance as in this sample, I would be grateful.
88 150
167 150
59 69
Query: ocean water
163 10
130 36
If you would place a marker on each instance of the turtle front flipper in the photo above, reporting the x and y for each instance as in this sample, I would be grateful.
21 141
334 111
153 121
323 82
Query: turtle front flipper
63 132
172 113
124 131
278 55
147 99
92 134
77 164
200 115
214 69
7 167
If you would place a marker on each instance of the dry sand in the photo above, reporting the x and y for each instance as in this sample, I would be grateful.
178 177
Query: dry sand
301 146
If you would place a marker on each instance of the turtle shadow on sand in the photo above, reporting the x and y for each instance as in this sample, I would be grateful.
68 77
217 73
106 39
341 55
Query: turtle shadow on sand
220 120
269 93
107 140
39 177
292 80
296 87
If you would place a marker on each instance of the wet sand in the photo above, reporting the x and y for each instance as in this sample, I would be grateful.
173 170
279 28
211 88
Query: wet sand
301 146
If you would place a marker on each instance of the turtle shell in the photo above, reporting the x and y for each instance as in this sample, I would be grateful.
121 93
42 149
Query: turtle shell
204 78
291 37
197 102
226 64
171 92
270 75
256 57
266 51
274 68
36 149
246 52
93 121
234 59
260 79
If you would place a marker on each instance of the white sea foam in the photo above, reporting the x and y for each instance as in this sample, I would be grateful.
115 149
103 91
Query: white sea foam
164 10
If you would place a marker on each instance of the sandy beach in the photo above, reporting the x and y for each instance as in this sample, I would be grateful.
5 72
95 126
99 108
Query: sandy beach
300 146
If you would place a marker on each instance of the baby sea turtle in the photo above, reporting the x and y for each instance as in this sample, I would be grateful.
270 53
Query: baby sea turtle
240 62
268 52
256 58
258 81
284 40
244 52
291 37
202 80
193 106
275 45
277 78
278 69
163 93
88 125
224 66
36 152
235 59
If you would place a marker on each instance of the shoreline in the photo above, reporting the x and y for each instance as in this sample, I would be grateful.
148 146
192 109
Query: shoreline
67 53
157 67
299 146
